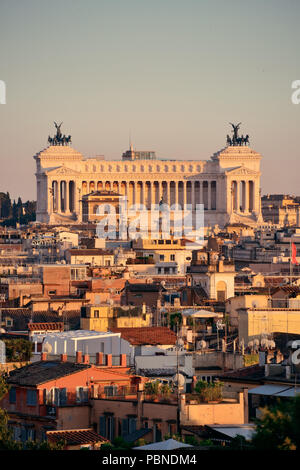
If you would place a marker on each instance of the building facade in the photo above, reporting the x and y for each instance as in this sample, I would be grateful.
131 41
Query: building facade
228 185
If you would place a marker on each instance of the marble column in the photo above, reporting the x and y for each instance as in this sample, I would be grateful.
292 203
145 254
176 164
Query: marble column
169 192
209 195
59 196
238 202
184 194
193 194
67 197
247 188
176 192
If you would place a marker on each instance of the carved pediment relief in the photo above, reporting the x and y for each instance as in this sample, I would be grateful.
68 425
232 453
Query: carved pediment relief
62 171
240 171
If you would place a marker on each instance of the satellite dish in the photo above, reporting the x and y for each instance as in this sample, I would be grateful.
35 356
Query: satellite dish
178 379
201 344
264 343
47 347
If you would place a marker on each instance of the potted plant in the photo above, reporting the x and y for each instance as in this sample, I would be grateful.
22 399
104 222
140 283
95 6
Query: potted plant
165 391
209 392
152 389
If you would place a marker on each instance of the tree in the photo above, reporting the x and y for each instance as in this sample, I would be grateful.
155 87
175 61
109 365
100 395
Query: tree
18 350
279 427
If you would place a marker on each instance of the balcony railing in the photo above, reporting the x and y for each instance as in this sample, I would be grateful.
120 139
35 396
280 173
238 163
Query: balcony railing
117 392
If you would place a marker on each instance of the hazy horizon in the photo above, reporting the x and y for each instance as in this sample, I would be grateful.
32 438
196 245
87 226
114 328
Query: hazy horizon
172 74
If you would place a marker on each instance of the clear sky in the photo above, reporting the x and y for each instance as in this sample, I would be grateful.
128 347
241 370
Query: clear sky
172 72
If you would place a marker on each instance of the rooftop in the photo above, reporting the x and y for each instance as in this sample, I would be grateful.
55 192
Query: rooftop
147 335
75 436
82 334
43 371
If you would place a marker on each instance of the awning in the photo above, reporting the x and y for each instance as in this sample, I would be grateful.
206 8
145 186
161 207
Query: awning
268 390
290 392
200 313
246 431
170 444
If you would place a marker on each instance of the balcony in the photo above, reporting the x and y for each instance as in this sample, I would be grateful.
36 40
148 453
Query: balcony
125 392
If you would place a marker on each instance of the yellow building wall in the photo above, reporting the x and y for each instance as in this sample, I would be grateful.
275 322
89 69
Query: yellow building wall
253 323
206 414
108 319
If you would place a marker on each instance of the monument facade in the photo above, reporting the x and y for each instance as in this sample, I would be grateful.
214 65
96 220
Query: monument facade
228 184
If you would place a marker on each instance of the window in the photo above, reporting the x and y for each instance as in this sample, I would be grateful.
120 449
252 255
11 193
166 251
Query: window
161 257
172 257
107 427
96 313
12 395
107 262
31 398
30 434
16 433
157 433
110 390
128 426
82 394
55 396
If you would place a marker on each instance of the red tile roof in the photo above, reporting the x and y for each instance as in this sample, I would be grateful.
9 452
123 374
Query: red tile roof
75 436
46 326
147 335
89 252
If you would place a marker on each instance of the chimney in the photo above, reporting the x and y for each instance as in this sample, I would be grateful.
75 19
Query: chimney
123 360
99 359
109 360
194 381
63 358
43 356
78 357
86 359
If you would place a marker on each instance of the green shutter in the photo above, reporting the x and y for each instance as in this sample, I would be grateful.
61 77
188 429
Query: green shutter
102 426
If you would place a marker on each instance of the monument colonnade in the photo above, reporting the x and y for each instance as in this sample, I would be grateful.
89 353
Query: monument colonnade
65 194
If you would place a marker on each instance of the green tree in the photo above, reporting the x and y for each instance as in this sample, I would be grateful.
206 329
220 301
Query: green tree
18 350
279 427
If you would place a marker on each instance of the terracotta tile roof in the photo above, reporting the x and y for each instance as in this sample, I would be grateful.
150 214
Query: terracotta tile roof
144 287
289 289
147 335
44 371
255 373
89 252
75 436
46 326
